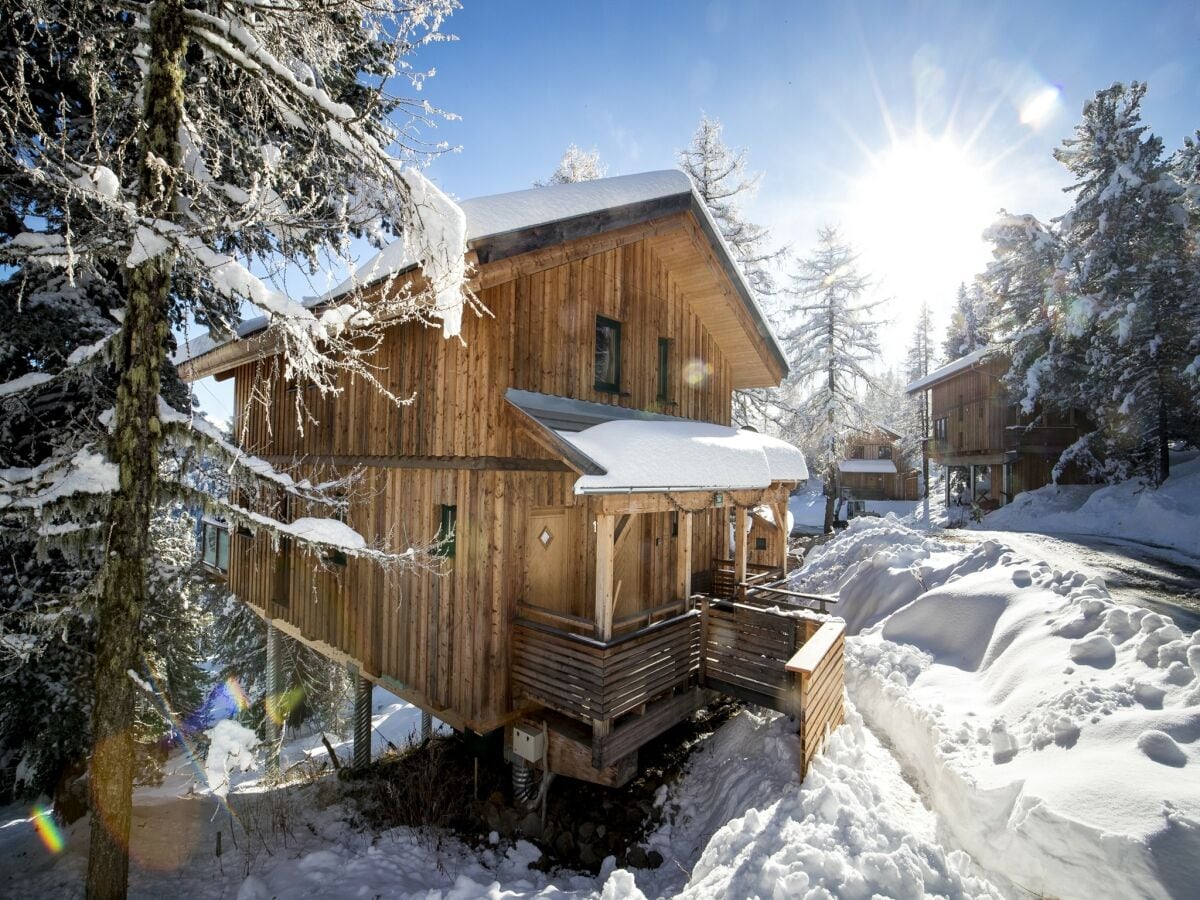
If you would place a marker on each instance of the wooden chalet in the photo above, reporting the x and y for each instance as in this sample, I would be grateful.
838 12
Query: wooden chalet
576 456
977 427
875 467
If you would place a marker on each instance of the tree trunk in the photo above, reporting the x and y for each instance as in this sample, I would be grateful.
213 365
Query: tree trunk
141 352
830 496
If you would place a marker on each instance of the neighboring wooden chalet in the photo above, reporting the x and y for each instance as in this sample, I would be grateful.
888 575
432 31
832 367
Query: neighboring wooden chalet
875 468
977 427
576 450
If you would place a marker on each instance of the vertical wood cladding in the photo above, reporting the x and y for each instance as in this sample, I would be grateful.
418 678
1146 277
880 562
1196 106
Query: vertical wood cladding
444 634
975 408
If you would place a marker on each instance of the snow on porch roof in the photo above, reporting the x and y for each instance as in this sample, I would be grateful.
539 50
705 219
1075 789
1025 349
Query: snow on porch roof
682 455
869 466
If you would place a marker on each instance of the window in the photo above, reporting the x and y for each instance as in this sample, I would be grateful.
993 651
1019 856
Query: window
674 524
760 543
608 355
337 557
885 451
216 545
939 430
856 452
664 369
447 526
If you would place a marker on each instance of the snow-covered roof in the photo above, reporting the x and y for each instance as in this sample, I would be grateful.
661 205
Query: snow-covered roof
868 466
498 214
641 456
959 365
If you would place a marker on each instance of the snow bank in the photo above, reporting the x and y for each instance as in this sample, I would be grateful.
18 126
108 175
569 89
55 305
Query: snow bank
854 828
1167 516
1056 732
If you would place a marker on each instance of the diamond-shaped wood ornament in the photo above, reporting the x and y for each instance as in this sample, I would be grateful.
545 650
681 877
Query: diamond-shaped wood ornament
545 537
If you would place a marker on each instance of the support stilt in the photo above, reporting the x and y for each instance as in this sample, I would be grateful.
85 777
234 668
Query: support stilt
274 690
426 726
362 719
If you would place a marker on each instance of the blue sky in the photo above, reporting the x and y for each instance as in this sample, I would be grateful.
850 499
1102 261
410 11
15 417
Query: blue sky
809 89
818 93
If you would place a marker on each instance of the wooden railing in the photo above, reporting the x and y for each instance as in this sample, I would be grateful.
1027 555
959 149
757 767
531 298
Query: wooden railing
724 582
818 666
595 681
745 653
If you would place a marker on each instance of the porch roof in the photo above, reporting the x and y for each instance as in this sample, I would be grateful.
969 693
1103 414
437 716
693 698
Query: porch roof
869 466
619 450
639 456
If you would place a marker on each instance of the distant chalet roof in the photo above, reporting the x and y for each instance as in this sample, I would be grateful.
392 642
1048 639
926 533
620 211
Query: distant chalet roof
868 466
506 225
959 365
629 451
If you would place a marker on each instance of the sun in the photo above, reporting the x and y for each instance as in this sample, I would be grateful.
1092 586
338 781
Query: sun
917 214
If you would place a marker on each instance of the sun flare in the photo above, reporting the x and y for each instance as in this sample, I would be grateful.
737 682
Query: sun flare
918 213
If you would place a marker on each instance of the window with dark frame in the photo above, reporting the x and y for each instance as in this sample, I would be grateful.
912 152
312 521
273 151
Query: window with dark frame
337 557
760 543
857 452
664 369
216 546
447 528
885 451
608 355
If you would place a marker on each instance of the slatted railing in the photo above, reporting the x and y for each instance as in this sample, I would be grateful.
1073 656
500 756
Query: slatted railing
595 681
746 650
818 666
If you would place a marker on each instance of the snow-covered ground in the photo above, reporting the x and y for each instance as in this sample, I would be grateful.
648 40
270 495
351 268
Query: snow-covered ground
1168 516
1011 731
1054 731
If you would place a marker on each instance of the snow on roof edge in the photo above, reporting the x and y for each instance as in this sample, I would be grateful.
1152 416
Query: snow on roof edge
952 368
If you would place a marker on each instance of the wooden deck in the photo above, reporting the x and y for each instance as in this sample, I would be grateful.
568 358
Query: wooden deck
771 647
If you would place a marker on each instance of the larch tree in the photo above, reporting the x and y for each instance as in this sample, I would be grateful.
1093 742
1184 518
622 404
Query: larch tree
829 348
1130 273
719 176
158 159
915 422
576 165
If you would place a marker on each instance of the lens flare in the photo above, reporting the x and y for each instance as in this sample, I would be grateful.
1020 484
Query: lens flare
237 694
696 372
1037 110
47 829
280 706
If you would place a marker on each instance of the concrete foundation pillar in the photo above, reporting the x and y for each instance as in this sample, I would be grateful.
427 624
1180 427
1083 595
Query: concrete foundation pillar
274 724
426 726
362 719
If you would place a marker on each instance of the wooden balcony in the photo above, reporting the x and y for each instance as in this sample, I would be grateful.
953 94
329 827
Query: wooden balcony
593 681
634 687
1043 440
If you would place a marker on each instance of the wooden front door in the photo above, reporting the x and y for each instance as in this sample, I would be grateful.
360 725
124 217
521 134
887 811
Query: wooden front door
548 551
629 567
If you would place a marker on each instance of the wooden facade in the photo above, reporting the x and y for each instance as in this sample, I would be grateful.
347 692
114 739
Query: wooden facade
532 563
879 443
977 427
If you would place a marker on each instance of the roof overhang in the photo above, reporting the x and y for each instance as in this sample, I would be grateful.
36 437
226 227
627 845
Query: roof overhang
867 466
689 243
962 364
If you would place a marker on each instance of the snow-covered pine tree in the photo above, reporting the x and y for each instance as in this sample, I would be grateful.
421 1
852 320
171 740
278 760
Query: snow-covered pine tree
1021 284
829 348
720 178
970 322
1185 167
159 155
576 165
1128 265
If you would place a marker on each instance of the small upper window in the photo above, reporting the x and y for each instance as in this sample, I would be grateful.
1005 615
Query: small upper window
446 531
608 355
760 543
856 452
885 451
664 369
